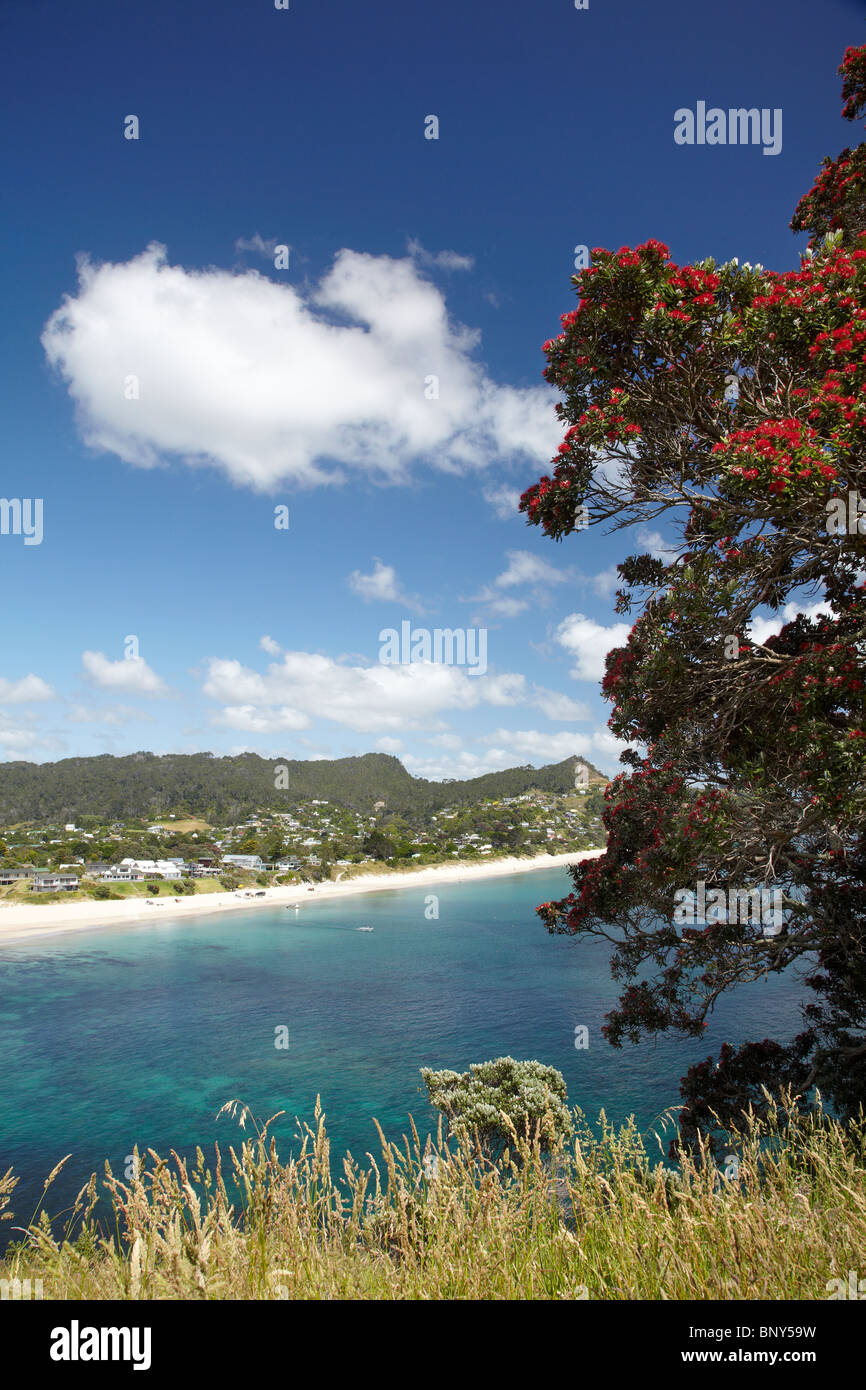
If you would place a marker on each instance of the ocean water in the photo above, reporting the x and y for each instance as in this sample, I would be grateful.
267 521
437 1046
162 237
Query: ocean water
138 1035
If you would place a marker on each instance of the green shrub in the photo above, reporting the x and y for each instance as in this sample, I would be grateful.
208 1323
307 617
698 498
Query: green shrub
495 1099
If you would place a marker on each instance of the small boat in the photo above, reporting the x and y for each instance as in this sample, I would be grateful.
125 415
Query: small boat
365 929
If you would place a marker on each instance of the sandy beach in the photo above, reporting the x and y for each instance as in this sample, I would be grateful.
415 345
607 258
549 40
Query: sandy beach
26 921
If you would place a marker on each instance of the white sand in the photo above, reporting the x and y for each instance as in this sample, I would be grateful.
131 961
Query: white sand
24 921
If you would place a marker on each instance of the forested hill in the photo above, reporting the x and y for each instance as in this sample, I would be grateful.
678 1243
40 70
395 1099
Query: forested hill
220 789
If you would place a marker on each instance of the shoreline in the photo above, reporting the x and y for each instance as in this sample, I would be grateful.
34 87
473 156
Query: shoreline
22 922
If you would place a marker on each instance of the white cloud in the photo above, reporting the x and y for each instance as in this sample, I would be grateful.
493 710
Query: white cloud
268 645
259 245
599 746
505 501
464 765
379 698
25 737
450 741
655 543
523 568
606 582
389 745
131 674
442 260
762 628
106 714
609 747
610 472
502 607
380 586
557 706
589 642
28 688
526 568
515 748
273 383
261 721
530 744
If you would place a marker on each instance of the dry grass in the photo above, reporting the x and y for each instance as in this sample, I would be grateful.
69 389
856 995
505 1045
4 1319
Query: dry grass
600 1218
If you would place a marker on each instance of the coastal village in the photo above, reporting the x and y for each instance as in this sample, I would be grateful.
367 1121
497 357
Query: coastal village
316 841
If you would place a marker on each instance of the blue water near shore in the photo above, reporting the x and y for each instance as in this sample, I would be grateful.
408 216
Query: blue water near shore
137 1035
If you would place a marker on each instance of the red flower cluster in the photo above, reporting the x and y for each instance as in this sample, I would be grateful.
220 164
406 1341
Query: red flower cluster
853 70
781 449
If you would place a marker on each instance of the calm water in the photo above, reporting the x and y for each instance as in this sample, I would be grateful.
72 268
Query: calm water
138 1035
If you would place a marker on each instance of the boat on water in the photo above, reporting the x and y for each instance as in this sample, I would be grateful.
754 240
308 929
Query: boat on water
365 929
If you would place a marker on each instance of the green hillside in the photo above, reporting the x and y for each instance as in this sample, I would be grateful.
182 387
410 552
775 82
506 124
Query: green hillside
227 788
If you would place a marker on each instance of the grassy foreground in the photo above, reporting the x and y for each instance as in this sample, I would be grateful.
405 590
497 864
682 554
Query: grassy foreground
598 1218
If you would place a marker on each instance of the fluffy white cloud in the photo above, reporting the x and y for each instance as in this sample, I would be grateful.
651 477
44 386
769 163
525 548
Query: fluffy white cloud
271 382
762 628
557 706
28 688
261 721
389 745
464 765
379 586
523 568
589 642
515 748
380 698
522 745
131 674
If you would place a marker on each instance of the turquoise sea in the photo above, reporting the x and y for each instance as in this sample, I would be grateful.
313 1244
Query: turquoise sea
138 1035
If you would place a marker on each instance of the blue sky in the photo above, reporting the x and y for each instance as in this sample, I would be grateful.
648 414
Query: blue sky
148 265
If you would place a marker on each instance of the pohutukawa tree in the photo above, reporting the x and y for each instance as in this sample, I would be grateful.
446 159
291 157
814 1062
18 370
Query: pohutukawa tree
731 401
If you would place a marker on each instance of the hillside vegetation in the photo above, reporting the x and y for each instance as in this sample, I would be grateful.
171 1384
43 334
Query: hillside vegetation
227 788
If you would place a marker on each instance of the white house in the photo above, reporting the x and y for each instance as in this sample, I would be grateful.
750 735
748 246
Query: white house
159 868
54 883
